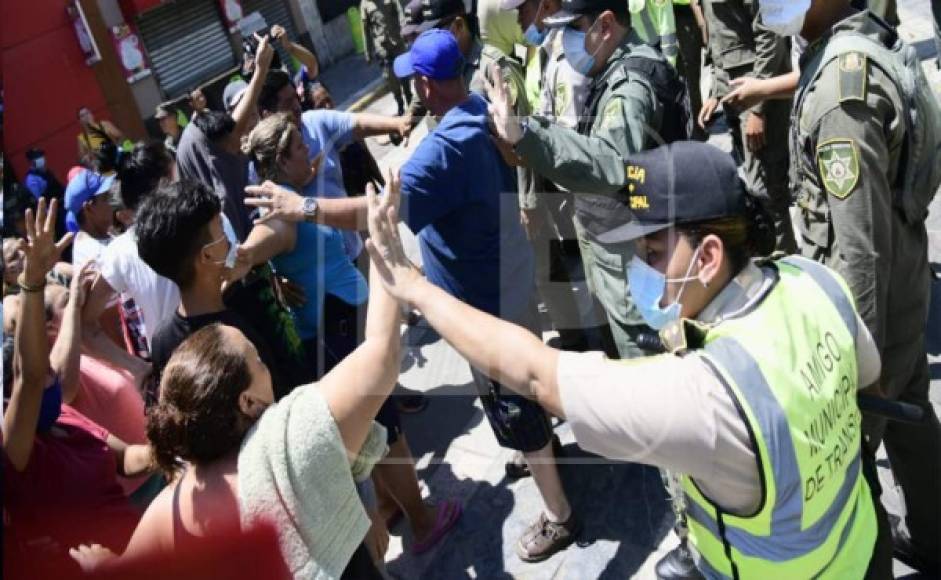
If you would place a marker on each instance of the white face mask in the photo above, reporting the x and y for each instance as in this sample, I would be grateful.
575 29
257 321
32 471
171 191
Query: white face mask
40 162
784 17
232 254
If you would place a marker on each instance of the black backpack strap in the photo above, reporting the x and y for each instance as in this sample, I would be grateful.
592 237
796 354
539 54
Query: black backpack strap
670 91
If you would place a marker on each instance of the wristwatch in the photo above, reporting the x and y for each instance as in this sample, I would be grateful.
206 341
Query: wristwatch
310 209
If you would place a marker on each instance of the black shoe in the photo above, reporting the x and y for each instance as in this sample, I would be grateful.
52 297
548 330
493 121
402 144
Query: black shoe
904 551
517 468
678 565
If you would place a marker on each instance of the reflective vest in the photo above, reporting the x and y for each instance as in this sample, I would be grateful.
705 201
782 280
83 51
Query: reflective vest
789 365
655 24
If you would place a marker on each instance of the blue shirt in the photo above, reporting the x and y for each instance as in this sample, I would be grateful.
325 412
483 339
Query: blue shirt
36 184
320 266
330 131
460 198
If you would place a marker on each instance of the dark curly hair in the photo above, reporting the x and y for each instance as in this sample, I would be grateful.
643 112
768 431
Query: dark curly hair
197 418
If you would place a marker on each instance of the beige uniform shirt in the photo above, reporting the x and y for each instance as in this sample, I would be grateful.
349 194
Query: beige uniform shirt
673 412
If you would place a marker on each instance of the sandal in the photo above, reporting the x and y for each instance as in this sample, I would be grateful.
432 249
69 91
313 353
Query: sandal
448 514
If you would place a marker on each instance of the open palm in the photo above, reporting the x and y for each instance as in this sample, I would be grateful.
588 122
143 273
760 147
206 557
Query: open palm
385 248
503 118
40 249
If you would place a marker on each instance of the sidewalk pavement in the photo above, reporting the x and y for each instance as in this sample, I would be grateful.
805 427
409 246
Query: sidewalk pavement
624 507
353 82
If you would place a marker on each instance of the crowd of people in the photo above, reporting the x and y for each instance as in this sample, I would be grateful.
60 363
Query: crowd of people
202 333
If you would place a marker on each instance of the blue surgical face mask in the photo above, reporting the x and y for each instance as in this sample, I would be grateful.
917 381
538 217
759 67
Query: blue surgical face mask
40 162
51 407
534 36
573 46
647 289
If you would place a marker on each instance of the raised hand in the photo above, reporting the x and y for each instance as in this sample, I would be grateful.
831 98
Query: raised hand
264 54
399 276
503 120
278 202
40 250
278 33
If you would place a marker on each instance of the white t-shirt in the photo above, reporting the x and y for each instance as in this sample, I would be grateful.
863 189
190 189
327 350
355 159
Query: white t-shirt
122 267
86 248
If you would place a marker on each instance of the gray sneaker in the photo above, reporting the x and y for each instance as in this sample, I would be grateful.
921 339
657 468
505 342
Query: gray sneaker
544 538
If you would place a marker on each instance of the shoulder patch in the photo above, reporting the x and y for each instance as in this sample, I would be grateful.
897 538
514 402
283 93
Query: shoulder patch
854 76
612 112
561 100
838 163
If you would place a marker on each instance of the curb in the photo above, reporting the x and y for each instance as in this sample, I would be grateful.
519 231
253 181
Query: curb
367 96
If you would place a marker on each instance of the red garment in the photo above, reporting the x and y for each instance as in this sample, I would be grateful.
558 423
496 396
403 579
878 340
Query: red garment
69 491
109 397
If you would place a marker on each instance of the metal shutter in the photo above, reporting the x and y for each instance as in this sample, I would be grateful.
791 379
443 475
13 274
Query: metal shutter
187 44
274 12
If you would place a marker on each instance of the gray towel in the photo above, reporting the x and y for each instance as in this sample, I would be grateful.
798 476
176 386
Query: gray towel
294 472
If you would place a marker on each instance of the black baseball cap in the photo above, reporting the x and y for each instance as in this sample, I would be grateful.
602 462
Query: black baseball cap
35 153
413 17
572 9
683 183
434 11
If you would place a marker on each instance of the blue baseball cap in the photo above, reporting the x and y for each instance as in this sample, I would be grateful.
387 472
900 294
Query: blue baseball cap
84 186
434 54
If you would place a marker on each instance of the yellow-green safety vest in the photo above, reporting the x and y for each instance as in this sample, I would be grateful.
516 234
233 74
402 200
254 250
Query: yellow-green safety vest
655 24
790 367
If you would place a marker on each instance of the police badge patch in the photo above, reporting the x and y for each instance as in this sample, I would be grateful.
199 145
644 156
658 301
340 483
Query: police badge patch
838 163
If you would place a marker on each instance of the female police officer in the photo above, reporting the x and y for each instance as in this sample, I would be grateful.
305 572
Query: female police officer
755 399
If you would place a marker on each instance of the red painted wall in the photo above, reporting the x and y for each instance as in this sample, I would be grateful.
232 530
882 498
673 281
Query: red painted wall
45 81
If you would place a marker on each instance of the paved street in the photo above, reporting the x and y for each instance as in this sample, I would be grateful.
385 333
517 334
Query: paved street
623 506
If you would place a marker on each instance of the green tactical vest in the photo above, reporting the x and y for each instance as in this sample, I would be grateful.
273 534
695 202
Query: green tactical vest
920 165
789 365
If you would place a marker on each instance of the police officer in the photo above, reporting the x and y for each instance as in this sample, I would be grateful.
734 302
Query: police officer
866 156
771 455
740 46
561 96
382 32
623 115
